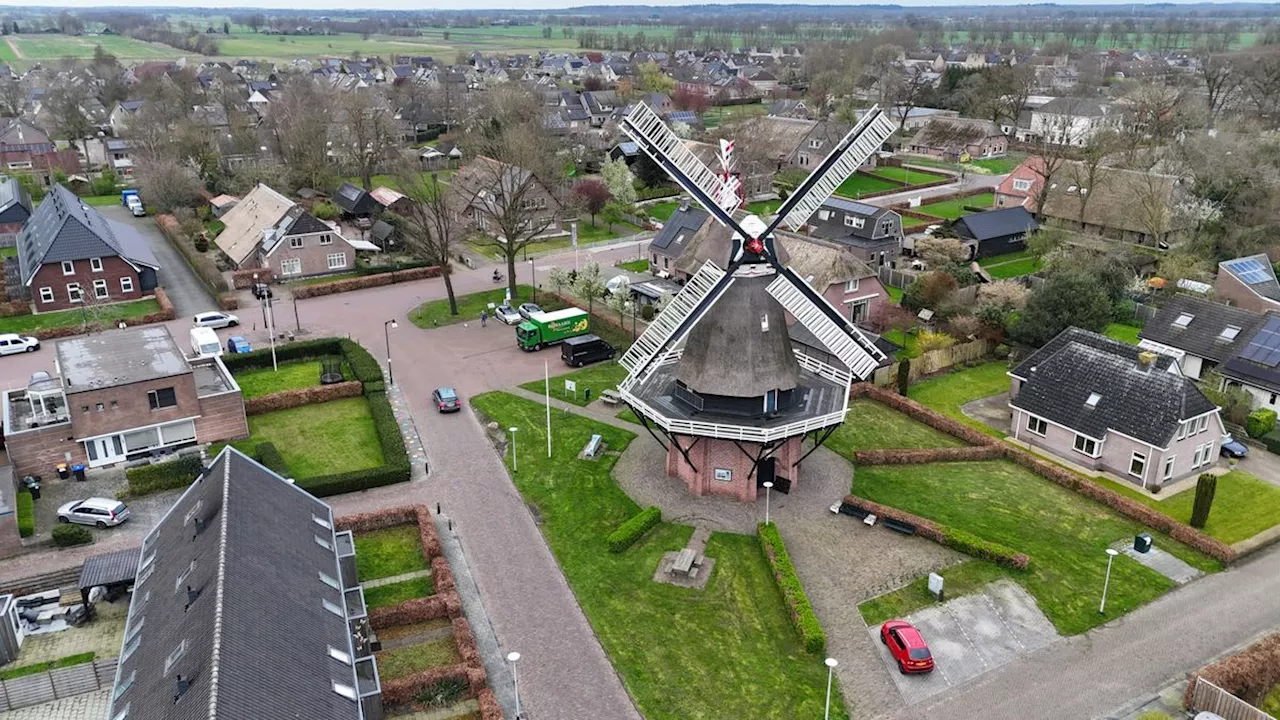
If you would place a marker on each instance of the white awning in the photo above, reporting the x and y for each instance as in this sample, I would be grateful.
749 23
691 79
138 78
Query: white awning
363 245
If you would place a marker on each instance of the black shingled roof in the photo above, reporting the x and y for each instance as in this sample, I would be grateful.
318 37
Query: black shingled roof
684 221
1202 337
994 224
307 223
354 199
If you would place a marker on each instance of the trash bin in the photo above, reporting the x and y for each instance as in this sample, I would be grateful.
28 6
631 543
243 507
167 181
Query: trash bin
33 486
1142 543
63 473
78 471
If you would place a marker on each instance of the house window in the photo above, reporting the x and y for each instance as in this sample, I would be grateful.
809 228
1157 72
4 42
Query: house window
815 143
126 284
1138 464
655 258
68 267
1037 425
326 239
162 398
1182 429
851 286
854 222
802 159
886 227
46 294
95 264
295 242
1086 445
337 261
73 293
1168 467
100 289
292 266
1202 424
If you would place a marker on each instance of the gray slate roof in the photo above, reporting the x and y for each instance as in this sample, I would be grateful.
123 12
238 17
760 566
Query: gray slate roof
681 226
1261 278
63 228
1258 361
994 224
109 568
1147 404
1203 335
833 228
15 203
257 634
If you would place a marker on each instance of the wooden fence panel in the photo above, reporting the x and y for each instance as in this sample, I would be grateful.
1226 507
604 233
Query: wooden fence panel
934 361
106 671
1209 697
56 684
29 690
74 680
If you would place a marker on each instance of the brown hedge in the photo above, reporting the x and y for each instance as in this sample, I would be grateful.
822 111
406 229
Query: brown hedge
466 643
926 455
409 612
1249 674
916 411
489 707
243 279
944 535
229 302
14 308
367 281
402 691
442 575
419 515
302 396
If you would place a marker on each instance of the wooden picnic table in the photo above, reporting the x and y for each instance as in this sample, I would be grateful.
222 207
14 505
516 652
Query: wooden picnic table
684 562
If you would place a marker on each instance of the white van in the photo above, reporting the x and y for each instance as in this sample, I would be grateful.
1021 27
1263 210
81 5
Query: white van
205 343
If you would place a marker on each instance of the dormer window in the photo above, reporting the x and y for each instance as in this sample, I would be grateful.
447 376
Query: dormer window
1093 400
1229 333
1183 320
815 143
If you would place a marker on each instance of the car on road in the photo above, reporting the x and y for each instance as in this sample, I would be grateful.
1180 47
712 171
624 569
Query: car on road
446 399
1233 448
507 314
907 647
618 283
11 343
237 344
216 320
527 309
102 512
262 291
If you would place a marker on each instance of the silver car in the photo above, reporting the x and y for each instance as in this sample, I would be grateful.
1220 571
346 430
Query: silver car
102 512
216 320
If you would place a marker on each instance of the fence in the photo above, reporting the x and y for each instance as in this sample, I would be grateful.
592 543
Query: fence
57 684
897 278
1207 697
934 361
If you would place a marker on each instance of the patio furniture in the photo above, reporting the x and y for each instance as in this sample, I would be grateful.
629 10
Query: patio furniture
683 562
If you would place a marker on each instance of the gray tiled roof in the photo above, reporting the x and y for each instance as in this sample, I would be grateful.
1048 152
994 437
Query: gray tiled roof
1203 335
15 203
1147 404
62 228
256 635
307 223
994 224
109 568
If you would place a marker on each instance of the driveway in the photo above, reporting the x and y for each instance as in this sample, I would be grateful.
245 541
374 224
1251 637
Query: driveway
184 287
971 182
1261 464
992 411
144 512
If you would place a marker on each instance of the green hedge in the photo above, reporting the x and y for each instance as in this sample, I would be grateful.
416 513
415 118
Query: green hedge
168 475
68 535
26 514
1272 441
363 366
972 545
802 615
395 470
1260 422
633 529
270 457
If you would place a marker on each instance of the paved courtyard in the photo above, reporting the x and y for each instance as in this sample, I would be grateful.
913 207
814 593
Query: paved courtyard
102 637
89 706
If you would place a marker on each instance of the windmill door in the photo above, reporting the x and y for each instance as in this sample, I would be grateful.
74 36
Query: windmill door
766 471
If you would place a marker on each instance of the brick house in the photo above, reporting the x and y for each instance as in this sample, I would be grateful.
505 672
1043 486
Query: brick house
268 230
27 149
1248 282
68 253
120 396
954 139
485 182
1107 405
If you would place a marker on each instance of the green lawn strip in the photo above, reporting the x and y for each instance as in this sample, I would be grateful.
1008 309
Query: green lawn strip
1065 534
100 200
907 341
396 593
256 382
952 209
764 207
750 664
1243 505
870 425
388 552
1123 333
1000 165
8 252
906 176
434 313
859 184
105 315
641 265
895 294
601 376
946 393
629 415
1271 703
1005 258
410 659
966 578
67 661
587 233
324 439
663 210
1017 268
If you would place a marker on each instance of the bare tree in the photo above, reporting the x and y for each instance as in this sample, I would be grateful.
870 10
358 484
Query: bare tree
300 120
366 134
69 118
1221 81
12 97
431 224
1088 174
907 92
1260 81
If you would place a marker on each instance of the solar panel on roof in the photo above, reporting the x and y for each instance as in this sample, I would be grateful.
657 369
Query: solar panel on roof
1264 348
1250 270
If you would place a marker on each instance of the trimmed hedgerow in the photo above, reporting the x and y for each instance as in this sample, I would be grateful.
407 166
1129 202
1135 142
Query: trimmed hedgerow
173 474
1249 674
69 535
26 514
803 618
633 529
362 364
286 399
961 540
926 455
267 454
395 469
375 279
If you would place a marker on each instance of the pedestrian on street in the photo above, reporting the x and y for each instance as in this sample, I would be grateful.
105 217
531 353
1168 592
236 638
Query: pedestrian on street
484 317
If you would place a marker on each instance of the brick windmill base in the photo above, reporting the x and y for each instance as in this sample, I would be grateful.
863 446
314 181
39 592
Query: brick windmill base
727 468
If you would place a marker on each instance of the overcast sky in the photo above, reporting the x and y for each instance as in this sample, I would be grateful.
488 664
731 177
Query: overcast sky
321 5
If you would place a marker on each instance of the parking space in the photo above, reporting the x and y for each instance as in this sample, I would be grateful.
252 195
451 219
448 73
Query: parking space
969 636
144 512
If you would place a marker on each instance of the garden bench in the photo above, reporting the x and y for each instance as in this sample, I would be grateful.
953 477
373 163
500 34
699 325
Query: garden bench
899 526
854 510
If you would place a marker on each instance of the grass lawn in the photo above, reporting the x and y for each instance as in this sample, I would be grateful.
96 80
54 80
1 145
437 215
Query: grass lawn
63 662
663 210
100 200
629 415
1243 505
1271 703
587 233
601 376
639 266
1123 333
410 659
946 393
388 552
870 425
952 209
1005 258
106 315
1017 268
8 252
858 185
907 176
720 114
396 593
895 294
726 651
1001 165
434 313
1064 533
256 382
764 208
907 341
333 437
963 579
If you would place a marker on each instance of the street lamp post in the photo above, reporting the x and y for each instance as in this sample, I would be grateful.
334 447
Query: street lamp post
515 464
1111 556
533 275
386 333
831 666
512 657
768 486
261 301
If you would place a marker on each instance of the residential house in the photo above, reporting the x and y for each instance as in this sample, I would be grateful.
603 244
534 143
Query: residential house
1256 367
995 232
246 604
959 139
15 209
793 109
68 254
1073 120
116 151
871 234
122 113
1111 406
1249 282
600 105
120 396
671 241
267 229
442 156
493 188
1200 334
913 119
26 148
354 201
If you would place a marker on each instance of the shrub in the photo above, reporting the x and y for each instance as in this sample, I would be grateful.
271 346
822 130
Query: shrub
972 545
270 457
927 455
633 529
1206 487
1272 441
301 396
69 535
904 376
378 279
325 210
489 707
1249 674
647 312
930 340
1155 715
178 472
26 514
443 692
409 612
784 573
402 691
1260 422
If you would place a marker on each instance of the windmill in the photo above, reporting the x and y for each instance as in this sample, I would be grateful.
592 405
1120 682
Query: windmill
716 373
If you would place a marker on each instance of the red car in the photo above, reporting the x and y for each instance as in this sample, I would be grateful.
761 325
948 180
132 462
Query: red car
907 647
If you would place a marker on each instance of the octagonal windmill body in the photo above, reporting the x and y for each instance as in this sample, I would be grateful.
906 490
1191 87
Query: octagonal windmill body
716 374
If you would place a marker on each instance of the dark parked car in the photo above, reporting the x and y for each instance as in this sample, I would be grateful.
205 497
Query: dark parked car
907 647
583 349
262 290
446 400
1233 448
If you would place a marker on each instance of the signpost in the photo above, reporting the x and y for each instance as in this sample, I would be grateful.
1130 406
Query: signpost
935 585
571 387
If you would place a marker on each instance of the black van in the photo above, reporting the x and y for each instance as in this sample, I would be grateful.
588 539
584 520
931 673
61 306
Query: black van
583 349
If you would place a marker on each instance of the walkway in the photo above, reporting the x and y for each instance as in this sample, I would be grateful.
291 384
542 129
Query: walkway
971 182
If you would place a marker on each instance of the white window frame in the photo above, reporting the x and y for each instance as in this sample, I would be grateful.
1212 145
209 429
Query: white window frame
815 143
100 289
1182 429
75 294
95 264
126 284
1202 424
46 294
1168 467
1034 422
1021 184
296 242
851 285
326 239
1141 459
849 220
1085 440
291 266
68 267
340 257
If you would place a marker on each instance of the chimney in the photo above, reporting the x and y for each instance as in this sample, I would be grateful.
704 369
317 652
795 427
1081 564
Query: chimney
1146 360
183 684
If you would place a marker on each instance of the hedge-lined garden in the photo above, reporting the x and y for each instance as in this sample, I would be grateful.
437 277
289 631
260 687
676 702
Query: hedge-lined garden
784 573
177 472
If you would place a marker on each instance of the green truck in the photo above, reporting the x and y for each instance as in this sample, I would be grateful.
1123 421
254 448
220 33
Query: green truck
549 328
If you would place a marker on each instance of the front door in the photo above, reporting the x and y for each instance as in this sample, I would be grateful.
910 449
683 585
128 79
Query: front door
104 451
